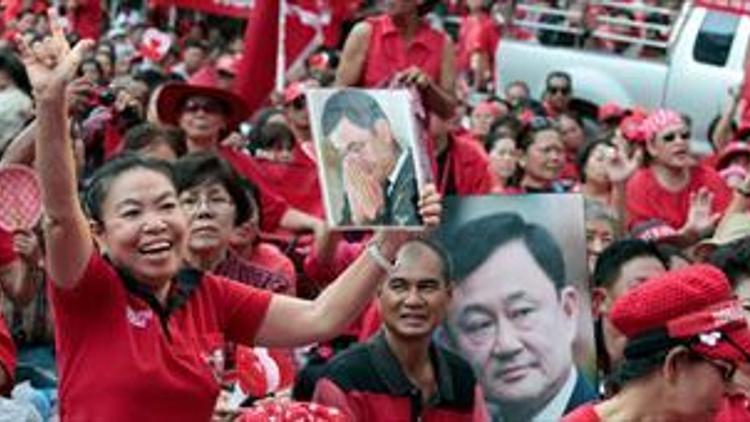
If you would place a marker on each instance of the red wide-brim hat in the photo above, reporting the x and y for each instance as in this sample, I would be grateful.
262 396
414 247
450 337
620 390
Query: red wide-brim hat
173 95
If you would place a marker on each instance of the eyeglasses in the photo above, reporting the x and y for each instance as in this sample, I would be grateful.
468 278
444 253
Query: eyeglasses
672 136
564 90
191 203
210 107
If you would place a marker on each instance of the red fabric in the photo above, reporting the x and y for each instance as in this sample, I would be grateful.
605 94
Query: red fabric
279 411
478 34
261 371
687 302
255 83
343 256
112 141
296 181
648 200
734 408
372 406
213 7
86 19
469 165
585 413
268 256
7 254
388 54
371 322
7 356
116 362
272 206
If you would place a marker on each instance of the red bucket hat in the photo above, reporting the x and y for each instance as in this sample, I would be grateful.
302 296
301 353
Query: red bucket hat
173 96
693 305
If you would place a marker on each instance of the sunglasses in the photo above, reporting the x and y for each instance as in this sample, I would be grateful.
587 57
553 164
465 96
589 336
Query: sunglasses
672 136
210 107
564 90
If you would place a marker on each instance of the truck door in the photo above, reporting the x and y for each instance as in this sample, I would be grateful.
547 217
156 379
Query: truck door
707 59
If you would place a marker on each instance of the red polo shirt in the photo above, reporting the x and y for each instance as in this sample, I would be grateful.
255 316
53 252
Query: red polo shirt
273 207
648 200
268 256
389 54
120 361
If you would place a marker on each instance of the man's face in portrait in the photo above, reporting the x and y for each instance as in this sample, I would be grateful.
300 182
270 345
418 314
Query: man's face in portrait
368 157
515 327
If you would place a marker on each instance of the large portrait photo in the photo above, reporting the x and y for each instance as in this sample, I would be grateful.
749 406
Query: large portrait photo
370 160
520 312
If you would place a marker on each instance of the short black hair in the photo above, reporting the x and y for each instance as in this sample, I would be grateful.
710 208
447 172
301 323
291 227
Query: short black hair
504 126
145 134
476 240
610 262
669 251
12 65
582 158
97 187
202 168
537 125
439 250
558 74
733 259
356 106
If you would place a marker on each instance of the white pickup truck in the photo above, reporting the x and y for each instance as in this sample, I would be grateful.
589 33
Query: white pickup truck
702 58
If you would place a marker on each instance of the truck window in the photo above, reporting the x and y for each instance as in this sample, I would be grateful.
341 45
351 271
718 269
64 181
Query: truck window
715 38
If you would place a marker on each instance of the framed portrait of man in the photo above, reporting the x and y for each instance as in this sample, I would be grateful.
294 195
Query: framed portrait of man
371 161
521 312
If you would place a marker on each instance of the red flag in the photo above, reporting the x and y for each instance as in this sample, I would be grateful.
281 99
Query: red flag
309 23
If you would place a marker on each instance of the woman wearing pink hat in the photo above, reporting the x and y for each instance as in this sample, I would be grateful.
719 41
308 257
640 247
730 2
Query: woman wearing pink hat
676 197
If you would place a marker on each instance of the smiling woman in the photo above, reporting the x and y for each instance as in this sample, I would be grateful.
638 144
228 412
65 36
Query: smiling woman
148 330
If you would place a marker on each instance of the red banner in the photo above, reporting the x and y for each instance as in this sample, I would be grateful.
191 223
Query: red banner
740 7
234 8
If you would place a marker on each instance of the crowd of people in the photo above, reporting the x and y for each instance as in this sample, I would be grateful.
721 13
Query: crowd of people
184 268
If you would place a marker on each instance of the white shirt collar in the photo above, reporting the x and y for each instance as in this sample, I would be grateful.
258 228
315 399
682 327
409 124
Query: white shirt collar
396 170
554 410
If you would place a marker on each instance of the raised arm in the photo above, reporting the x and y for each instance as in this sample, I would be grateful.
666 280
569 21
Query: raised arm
67 235
293 322
353 57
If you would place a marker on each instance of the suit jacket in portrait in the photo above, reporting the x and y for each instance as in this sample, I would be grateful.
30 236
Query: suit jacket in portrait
401 200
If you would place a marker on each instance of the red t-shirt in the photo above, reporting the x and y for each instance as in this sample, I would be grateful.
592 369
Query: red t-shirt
7 254
466 169
297 180
478 34
7 356
273 207
117 362
389 54
86 19
648 200
584 413
734 407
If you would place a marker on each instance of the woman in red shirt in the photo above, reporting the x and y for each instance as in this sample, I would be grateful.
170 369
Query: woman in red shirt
138 336
400 47
676 197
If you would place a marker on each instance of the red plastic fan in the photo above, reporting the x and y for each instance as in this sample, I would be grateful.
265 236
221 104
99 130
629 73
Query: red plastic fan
20 198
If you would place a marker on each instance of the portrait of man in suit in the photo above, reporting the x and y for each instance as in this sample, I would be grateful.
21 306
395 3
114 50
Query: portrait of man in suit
377 169
515 317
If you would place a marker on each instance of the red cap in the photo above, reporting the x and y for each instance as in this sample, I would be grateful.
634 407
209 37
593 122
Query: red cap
731 151
694 304
610 110
631 128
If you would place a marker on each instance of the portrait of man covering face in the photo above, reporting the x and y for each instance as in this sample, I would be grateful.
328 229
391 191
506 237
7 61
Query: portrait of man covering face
374 163
515 317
